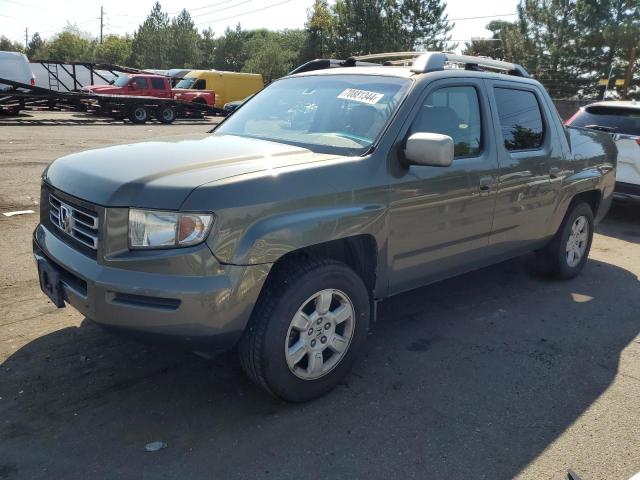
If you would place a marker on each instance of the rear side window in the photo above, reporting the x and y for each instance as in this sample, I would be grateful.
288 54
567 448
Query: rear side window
141 82
520 119
199 85
453 111
613 119
157 83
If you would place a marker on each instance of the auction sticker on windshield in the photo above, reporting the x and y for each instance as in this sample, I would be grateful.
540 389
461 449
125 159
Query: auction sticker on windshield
363 96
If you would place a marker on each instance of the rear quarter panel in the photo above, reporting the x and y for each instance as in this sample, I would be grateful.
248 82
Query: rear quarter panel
590 165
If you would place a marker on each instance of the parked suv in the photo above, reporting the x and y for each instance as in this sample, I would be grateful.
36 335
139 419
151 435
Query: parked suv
622 121
325 193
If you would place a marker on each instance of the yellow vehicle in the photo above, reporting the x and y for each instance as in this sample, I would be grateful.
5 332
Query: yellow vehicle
228 86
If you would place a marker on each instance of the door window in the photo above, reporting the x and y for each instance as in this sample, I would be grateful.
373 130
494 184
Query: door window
453 111
141 83
157 83
520 119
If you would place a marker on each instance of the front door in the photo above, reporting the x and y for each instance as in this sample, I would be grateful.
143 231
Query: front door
441 217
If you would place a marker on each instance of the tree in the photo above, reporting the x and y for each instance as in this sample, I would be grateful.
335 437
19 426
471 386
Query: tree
503 44
320 26
7 45
372 26
363 26
270 60
230 51
424 24
69 47
185 42
35 46
272 54
151 43
607 31
207 46
114 49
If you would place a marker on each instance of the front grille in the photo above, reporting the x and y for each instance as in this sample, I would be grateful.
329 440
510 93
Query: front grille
79 224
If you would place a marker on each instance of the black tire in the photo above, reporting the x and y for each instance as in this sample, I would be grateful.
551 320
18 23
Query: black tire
553 259
262 347
139 114
166 114
199 113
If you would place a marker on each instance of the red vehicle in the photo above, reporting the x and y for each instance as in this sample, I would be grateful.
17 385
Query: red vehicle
155 86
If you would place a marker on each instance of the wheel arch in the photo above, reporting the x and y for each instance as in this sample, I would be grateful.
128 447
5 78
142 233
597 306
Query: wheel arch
360 252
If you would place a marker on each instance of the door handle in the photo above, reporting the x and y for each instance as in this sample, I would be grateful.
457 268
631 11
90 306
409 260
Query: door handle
554 172
485 185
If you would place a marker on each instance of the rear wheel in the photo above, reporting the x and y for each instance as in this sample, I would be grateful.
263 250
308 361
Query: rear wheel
166 114
307 329
565 256
139 114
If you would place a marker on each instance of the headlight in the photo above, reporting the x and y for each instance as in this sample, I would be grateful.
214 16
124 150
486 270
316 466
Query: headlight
156 229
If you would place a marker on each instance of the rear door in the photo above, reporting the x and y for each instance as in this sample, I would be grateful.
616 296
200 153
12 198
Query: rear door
440 217
531 162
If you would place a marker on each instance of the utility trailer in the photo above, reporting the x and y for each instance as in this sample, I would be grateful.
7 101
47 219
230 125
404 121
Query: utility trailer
138 109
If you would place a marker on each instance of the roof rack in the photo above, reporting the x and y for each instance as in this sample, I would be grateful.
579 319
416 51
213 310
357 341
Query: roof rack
434 61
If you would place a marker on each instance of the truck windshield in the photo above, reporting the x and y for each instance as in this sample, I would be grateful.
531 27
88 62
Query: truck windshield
186 82
340 114
121 81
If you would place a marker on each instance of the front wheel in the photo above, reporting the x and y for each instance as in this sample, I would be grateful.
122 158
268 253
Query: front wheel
307 329
567 253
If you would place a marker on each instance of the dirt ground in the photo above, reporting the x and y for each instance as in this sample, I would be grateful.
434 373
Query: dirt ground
496 374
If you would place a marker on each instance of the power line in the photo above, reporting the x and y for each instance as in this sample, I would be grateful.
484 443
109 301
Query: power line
245 13
481 17
221 9
23 4
9 16
204 7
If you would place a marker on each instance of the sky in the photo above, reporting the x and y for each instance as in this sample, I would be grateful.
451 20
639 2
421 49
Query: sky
123 16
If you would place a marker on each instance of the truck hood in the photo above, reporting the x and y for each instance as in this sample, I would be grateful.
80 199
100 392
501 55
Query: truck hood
162 174
102 89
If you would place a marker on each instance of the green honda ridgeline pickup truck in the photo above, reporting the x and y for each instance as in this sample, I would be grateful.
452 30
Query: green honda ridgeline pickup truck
325 193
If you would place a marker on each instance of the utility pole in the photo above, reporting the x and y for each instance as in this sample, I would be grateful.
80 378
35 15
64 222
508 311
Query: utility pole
26 37
629 77
101 21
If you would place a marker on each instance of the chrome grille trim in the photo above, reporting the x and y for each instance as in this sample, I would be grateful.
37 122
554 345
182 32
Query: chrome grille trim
79 225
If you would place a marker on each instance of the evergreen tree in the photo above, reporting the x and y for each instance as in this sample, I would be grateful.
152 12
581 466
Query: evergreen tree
151 43
185 42
230 53
207 46
36 44
320 28
424 25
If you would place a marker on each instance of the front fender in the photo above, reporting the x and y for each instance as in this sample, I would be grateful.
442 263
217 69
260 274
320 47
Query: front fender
271 237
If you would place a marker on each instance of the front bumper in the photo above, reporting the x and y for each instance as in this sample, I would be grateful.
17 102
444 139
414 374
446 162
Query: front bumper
202 311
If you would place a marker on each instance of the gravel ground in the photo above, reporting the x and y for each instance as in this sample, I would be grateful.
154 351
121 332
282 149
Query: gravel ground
496 374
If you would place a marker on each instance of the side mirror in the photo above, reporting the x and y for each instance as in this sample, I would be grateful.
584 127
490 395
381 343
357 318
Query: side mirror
431 149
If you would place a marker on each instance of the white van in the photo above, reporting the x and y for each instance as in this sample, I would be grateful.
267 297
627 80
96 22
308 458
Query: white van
15 66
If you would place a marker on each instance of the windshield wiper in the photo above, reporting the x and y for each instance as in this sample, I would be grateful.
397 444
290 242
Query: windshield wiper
601 128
